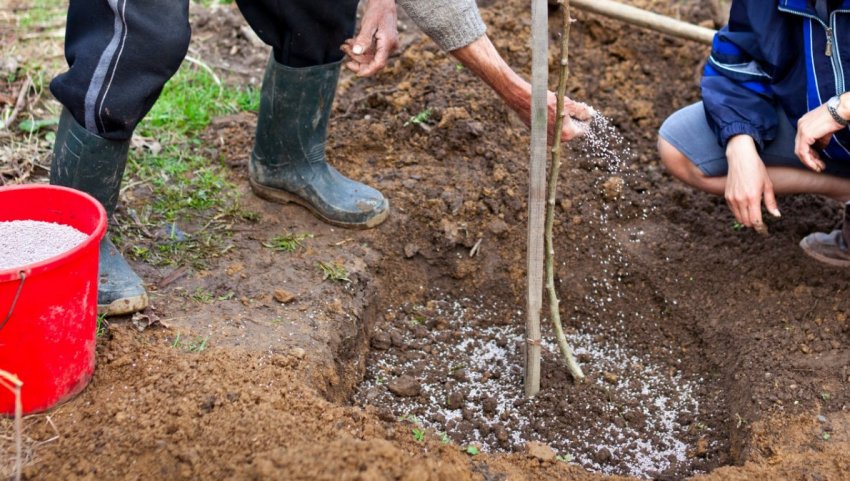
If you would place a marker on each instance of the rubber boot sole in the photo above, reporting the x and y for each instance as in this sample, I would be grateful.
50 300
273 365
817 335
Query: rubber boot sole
122 307
822 258
280 196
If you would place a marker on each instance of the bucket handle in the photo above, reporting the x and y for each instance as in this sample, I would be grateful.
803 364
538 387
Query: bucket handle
14 300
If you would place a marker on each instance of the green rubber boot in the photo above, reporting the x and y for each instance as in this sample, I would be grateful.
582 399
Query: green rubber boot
87 162
288 162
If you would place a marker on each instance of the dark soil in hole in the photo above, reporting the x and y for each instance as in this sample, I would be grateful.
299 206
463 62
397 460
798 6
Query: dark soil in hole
455 366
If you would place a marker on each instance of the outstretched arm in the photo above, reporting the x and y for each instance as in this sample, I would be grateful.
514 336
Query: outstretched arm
481 58
456 26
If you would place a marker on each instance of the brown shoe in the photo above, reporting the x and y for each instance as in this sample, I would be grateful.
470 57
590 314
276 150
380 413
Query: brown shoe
828 248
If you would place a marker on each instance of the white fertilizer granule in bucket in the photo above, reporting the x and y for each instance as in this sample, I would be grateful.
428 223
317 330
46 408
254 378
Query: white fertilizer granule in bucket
25 242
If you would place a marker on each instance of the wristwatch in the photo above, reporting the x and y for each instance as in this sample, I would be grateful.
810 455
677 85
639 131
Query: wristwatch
832 105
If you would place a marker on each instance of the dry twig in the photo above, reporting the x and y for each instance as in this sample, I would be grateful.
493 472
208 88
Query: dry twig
19 104
13 384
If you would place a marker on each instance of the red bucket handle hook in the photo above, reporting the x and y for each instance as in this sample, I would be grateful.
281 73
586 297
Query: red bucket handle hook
14 300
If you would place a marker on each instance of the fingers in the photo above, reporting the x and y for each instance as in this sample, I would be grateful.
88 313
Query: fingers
362 42
350 64
803 149
384 46
770 200
754 209
810 158
742 218
572 129
578 110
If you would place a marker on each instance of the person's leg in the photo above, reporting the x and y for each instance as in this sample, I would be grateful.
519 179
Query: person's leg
704 166
701 163
120 54
288 161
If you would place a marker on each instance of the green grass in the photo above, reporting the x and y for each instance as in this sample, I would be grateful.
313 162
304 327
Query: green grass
333 271
288 242
186 186
42 12
102 326
191 99
210 3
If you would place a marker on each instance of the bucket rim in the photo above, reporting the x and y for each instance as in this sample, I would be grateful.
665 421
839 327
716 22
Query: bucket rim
14 274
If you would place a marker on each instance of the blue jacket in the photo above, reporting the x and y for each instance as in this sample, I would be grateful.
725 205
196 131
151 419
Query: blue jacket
776 51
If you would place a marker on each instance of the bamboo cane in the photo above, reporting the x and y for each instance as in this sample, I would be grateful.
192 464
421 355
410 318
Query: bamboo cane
647 19
554 172
536 190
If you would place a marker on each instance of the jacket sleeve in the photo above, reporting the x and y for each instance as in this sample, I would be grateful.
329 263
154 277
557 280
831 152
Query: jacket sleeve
736 90
452 24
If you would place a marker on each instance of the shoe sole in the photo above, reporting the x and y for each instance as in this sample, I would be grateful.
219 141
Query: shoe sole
122 307
822 258
280 196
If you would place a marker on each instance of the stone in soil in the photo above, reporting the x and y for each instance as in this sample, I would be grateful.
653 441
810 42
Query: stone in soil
404 386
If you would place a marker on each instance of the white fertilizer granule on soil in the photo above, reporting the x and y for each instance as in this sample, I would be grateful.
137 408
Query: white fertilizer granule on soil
25 242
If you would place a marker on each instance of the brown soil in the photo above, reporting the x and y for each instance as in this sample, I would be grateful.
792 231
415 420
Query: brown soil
758 329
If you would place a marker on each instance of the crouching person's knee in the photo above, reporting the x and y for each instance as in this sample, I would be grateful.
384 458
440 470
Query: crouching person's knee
675 162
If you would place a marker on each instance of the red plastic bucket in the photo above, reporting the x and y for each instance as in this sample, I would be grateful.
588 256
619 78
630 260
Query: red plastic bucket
50 307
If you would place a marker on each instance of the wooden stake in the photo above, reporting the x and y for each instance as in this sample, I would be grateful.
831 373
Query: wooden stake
554 172
536 190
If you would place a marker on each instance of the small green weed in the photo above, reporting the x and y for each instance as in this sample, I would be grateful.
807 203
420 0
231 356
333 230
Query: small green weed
825 396
287 243
566 458
202 295
472 450
444 438
737 226
826 436
411 419
419 118
197 344
333 271
102 326
418 434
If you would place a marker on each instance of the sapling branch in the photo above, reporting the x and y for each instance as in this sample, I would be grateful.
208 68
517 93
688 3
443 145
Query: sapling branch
554 171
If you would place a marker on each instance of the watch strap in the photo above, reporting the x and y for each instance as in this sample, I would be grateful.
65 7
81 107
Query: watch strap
833 111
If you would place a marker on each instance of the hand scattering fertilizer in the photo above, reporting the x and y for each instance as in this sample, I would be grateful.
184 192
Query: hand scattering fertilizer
49 239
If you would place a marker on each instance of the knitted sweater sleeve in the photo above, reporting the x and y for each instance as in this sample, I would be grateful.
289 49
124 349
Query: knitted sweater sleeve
452 24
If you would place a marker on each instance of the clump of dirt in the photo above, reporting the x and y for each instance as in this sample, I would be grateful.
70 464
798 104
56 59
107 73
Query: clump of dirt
456 367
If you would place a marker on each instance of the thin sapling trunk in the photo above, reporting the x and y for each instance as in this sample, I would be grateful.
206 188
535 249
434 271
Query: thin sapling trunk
554 171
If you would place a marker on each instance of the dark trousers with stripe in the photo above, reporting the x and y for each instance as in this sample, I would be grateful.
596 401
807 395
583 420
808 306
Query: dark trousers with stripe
122 52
